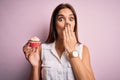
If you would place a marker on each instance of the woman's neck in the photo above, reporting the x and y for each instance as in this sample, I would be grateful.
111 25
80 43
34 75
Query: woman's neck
59 46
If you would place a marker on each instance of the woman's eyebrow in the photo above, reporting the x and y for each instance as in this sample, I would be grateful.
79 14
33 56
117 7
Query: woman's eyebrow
63 15
60 15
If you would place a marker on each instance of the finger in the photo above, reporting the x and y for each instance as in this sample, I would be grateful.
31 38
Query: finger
25 46
66 33
69 32
72 28
28 56
25 49
28 51
38 50
33 50
64 36
74 35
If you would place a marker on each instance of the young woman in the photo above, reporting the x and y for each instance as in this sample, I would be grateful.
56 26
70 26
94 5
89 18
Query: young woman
62 56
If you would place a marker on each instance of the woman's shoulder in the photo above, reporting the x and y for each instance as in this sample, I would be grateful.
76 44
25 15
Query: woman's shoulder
82 45
85 51
85 48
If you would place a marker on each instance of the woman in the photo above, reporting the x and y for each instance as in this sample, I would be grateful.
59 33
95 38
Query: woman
62 56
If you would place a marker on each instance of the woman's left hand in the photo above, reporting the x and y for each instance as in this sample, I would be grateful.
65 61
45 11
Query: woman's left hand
69 39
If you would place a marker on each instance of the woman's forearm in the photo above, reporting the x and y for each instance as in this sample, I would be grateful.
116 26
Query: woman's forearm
35 73
80 70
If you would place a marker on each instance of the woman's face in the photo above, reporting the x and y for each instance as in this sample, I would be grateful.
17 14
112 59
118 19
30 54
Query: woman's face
65 18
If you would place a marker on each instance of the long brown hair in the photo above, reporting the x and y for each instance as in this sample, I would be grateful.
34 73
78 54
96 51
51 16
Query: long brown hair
53 33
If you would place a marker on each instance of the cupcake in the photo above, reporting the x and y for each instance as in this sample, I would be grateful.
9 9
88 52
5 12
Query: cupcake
34 42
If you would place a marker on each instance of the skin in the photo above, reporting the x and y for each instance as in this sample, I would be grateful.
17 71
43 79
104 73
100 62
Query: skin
81 68
64 23
66 41
33 56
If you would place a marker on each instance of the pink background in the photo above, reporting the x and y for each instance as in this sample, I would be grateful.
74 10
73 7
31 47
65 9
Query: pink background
99 29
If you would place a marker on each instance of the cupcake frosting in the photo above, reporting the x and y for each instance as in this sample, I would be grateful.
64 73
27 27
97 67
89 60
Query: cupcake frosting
35 38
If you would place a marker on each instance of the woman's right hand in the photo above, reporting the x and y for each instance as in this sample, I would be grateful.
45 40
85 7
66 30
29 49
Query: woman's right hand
32 54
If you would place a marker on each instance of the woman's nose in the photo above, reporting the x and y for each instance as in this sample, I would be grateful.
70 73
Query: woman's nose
67 24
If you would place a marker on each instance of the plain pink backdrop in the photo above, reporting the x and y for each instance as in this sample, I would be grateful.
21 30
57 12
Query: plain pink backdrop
99 29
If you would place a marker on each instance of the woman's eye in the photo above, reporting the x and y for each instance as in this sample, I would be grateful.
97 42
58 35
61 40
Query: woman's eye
71 19
61 19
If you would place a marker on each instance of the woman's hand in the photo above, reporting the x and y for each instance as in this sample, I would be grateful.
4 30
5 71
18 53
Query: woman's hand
69 39
32 54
